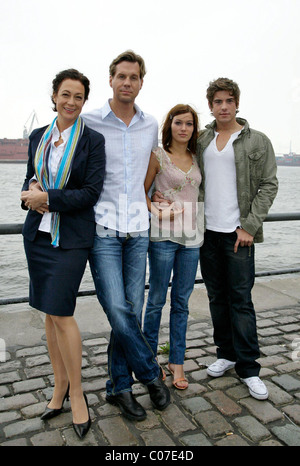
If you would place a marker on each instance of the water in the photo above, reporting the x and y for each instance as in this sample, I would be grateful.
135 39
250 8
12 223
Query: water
281 249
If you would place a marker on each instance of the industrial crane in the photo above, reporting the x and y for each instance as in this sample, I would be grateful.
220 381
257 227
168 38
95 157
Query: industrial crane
26 132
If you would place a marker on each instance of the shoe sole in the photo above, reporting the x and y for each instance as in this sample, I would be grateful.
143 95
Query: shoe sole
219 374
131 417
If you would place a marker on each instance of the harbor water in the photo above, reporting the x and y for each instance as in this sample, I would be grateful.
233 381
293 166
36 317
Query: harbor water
280 250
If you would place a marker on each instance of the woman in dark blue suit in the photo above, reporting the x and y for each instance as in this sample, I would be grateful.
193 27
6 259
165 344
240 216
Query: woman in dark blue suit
65 172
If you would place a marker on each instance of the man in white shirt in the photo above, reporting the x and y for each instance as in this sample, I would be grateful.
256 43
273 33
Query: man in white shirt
118 258
238 188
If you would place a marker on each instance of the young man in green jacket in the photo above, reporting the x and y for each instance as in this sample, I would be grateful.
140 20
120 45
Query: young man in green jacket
239 185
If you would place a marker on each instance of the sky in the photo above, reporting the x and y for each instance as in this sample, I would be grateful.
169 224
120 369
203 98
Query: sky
185 45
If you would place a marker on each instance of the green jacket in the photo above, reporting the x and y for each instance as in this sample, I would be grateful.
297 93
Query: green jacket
256 168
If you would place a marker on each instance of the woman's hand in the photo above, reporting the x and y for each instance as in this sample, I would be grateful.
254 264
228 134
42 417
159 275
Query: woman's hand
166 210
35 199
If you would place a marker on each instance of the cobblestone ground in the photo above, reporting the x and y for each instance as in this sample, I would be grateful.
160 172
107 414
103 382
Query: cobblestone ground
211 412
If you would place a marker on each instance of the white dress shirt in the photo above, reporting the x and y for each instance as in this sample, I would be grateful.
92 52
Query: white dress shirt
56 156
122 204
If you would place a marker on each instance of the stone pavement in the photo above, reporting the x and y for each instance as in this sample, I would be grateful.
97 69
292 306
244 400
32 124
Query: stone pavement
211 412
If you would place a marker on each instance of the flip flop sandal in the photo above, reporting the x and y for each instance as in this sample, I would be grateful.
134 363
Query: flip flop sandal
181 379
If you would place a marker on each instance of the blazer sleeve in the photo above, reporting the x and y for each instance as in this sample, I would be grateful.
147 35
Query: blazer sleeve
34 139
86 195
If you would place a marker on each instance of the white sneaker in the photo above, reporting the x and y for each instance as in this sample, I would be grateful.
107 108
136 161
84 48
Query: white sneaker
218 368
257 388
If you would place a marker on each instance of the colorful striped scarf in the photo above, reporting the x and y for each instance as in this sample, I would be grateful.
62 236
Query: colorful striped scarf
42 165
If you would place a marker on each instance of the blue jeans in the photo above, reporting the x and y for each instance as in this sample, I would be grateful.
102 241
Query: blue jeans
118 266
229 279
165 256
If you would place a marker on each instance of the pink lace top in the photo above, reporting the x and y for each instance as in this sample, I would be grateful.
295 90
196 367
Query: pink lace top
182 188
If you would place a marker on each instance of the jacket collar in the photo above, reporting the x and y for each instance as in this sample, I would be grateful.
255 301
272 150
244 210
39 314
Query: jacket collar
241 121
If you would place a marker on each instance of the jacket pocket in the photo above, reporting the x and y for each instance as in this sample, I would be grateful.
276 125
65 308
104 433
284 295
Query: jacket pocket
256 164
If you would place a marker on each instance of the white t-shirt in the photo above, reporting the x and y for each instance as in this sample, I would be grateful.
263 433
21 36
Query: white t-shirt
222 211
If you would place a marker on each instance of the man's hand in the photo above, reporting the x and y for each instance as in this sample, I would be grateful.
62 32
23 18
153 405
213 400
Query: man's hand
243 239
158 197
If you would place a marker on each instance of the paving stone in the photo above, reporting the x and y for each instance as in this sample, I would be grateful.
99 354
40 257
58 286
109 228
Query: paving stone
20 442
288 434
47 439
194 353
232 440
270 443
265 332
9 377
28 385
151 422
22 427
157 438
24 352
290 328
9 416
273 349
293 412
277 395
37 360
196 440
95 342
196 405
288 367
116 432
213 423
9 366
262 410
4 391
252 429
224 404
222 383
176 421
17 402
287 382
272 361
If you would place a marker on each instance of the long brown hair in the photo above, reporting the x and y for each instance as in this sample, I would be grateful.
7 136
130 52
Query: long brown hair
167 132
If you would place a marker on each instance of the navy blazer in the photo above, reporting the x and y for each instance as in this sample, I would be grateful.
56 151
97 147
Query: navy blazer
74 202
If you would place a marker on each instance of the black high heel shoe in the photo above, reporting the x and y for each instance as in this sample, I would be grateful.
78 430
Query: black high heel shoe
82 429
50 413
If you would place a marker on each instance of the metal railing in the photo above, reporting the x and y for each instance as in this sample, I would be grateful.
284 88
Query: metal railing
16 229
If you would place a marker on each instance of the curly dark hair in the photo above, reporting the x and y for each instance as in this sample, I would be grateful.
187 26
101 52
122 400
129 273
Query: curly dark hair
70 74
223 84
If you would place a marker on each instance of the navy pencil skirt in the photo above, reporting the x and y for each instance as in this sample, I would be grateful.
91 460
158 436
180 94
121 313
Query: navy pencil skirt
55 275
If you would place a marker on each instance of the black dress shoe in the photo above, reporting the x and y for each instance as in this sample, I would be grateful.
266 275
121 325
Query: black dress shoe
159 394
128 405
82 429
50 413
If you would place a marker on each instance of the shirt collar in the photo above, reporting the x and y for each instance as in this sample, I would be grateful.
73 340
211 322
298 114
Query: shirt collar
65 134
106 110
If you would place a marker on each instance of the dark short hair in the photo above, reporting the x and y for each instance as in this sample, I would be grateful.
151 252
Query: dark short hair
167 132
70 74
223 84
130 56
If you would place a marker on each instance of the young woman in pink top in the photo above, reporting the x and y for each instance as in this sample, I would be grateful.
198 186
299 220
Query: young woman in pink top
176 232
